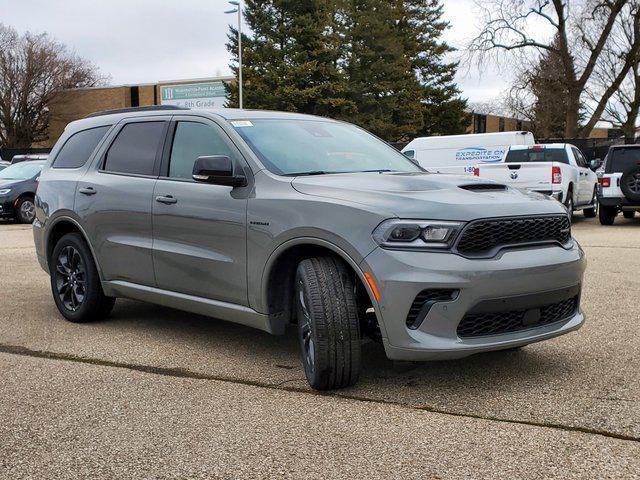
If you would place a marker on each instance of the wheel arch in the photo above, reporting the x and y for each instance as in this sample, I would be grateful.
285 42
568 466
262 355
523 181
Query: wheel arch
59 228
280 271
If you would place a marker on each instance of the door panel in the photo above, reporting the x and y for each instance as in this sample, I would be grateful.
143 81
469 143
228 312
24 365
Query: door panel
117 219
114 201
200 238
200 241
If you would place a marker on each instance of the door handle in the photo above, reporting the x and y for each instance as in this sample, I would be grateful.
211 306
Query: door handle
166 199
87 191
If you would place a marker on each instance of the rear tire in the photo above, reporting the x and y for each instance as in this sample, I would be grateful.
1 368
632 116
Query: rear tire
328 326
75 283
630 214
592 212
26 210
568 203
607 215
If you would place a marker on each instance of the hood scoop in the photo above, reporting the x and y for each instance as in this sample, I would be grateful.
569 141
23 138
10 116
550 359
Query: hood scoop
484 187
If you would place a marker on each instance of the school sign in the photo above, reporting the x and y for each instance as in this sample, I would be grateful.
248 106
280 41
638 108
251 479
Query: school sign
195 95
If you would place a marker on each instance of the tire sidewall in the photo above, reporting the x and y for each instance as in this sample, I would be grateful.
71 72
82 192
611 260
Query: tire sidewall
301 283
92 284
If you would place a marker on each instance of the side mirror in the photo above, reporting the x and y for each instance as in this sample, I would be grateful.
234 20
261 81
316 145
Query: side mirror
219 170
411 155
595 164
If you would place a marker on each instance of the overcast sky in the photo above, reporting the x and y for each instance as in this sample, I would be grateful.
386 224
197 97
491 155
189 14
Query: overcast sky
144 41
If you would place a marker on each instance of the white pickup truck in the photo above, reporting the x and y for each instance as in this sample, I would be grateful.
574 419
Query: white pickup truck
556 169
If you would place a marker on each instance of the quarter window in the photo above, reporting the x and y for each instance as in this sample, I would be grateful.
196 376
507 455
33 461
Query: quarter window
79 147
135 148
193 140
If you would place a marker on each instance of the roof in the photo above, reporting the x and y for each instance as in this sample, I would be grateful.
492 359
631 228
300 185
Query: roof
110 117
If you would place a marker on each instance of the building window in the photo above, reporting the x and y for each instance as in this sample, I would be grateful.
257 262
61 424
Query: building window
135 96
519 125
479 123
501 124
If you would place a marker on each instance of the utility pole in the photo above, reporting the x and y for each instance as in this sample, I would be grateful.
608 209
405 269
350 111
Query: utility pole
238 9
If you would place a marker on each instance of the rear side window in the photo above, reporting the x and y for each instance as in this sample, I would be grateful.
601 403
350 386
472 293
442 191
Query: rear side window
621 160
79 147
135 148
558 155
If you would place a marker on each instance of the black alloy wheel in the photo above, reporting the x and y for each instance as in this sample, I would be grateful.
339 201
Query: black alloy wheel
75 282
70 278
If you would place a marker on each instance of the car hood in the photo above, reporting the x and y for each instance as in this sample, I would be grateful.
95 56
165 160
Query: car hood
432 196
10 183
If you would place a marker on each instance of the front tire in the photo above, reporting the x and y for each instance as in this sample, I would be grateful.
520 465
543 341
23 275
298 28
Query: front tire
26 210
328 326
75 283
607 215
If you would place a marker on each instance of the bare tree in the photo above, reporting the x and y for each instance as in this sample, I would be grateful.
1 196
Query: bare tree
624 106
576 31
32 69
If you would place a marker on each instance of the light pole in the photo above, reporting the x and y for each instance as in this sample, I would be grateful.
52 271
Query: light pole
238 9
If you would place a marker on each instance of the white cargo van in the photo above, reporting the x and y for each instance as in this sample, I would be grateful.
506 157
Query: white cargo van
459 154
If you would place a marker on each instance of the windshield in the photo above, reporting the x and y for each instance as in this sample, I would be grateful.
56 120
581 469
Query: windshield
312 147
21 171
558 155
623 159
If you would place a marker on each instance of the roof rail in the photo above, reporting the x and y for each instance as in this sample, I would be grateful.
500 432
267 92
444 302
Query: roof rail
151 108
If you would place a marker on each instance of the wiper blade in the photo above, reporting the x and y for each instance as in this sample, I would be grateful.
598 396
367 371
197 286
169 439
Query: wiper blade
302 174
379 170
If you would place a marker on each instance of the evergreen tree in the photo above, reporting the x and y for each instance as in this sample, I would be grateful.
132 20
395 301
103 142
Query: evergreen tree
377 63
444 110
382 81
291 61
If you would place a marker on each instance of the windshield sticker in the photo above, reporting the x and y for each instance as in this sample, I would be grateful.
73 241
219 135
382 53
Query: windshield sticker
241 123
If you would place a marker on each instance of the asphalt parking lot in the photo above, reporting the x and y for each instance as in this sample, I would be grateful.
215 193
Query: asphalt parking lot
158 393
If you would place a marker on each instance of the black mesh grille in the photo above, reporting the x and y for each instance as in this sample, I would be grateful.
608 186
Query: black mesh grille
481 324
434 295
485 237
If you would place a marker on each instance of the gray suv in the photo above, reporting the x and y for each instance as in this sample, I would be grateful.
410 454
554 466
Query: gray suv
268 219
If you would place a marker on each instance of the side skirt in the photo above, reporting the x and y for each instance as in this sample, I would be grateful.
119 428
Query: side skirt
202 306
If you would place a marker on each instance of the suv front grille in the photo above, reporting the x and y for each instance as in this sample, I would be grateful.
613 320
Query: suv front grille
486 237
496 323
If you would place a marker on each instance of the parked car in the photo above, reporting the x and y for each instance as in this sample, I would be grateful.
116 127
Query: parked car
459 154
619 183
18 184
556 169
265 219
27 158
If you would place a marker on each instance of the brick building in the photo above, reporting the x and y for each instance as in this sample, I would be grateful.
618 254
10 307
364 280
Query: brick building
70 105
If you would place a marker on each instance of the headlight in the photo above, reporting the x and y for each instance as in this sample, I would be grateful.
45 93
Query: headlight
5 191
416 234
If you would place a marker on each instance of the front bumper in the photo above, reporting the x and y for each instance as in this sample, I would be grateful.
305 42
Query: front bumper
7 208
401 276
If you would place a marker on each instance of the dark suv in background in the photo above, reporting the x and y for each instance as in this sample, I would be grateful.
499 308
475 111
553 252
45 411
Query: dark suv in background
619 183
18 184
